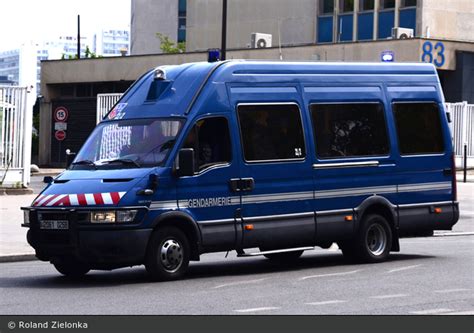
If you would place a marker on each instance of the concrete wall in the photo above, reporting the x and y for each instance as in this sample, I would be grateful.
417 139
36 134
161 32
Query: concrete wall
297 21
149 17
448 19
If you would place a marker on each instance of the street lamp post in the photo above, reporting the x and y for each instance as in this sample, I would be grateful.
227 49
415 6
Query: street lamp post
224 29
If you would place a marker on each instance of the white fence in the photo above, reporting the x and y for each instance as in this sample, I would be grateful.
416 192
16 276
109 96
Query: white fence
15 136
105 102
462 129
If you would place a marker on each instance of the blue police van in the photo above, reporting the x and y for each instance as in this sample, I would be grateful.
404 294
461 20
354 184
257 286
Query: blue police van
277 157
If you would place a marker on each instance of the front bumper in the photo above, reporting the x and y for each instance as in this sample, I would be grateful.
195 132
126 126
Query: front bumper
99 246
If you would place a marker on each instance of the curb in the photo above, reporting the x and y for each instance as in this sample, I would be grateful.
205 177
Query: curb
454 233
16 191
17 258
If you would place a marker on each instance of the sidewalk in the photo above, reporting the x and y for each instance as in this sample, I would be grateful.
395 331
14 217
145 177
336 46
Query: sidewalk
13 244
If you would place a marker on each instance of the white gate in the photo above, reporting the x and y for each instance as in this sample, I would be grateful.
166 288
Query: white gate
462 129
105 102
15 137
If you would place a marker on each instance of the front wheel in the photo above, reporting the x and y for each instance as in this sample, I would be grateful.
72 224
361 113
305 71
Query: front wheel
167 255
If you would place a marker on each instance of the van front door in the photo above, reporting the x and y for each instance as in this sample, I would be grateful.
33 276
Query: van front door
206 195
276 177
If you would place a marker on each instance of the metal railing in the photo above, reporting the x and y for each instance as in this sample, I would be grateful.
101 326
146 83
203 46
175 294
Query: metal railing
462 127
105 102
15 136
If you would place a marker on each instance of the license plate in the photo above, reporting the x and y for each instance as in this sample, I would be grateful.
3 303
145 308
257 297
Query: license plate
54 225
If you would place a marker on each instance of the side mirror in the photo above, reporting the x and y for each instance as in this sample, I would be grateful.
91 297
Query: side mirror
186 162
48 180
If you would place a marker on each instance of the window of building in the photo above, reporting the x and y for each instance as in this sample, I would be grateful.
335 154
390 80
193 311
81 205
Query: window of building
346 6
387 4
326 7
210 140
366 5
349 130
271 132
182 11
408 3
418 128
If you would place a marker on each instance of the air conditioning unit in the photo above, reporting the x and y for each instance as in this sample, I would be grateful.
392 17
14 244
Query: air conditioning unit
260 41
402 33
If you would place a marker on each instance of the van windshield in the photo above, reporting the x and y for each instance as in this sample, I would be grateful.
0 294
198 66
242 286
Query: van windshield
128 144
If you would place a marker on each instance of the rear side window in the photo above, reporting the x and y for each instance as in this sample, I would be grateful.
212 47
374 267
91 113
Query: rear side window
418 128
271 132
349 130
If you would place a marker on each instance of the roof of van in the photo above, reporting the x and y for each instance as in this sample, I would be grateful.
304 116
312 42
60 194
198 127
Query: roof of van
253 67
189 80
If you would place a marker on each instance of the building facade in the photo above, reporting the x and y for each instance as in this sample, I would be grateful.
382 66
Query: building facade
112 42
149 17
296 22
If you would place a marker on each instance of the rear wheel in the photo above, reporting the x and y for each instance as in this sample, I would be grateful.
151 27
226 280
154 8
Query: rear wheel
284 257
71 268
167 255
373 241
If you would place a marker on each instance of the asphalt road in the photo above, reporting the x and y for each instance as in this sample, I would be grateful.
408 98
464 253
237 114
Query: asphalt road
430 276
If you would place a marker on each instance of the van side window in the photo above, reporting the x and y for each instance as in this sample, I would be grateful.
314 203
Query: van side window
271 132
349 130
418 128
210 140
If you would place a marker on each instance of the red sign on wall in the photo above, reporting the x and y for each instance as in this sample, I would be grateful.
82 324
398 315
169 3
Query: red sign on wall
60 135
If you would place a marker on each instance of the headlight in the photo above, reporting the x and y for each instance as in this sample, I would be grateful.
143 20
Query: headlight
103 217
112 216
26 217
126 215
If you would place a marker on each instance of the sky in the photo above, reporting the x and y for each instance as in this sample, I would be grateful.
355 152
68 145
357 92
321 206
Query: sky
39 20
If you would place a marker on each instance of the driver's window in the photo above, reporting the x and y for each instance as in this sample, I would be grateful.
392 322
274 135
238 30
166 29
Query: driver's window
210 140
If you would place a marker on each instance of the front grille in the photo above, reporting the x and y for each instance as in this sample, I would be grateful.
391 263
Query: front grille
81 217
52 216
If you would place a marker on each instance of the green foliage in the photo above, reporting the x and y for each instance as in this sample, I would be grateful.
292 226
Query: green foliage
167 45
87 54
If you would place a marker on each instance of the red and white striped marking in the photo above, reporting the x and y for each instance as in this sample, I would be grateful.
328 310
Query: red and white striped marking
81 199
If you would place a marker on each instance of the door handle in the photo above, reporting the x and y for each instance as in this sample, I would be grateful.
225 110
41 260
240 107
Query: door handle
248 184
241 184
448 172
234 184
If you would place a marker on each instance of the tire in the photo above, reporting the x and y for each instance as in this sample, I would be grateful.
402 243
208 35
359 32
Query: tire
167 255
374 240
284 257
71 268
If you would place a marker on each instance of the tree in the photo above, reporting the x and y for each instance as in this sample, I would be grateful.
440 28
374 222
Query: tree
167 45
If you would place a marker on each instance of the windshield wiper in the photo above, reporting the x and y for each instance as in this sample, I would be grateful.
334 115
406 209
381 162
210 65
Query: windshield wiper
85 162
123 161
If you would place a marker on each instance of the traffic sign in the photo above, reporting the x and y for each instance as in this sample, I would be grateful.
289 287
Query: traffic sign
60 126
60 135
61 114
